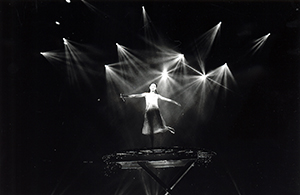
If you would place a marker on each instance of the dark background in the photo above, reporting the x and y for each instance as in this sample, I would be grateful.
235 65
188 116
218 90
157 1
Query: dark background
53 135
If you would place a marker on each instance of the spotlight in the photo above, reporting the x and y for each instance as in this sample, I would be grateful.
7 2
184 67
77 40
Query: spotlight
68 1
57 23
179 57
203 77
117 44
106 67
65 41
164 74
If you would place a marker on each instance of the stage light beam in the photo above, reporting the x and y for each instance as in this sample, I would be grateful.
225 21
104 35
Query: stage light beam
93 8
258 43
204 43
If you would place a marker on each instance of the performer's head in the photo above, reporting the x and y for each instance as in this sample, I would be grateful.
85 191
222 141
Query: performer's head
153 87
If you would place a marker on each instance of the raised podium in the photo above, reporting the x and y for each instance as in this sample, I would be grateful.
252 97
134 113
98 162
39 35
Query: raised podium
159 158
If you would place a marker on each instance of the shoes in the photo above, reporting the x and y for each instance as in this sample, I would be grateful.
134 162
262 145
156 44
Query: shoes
171 130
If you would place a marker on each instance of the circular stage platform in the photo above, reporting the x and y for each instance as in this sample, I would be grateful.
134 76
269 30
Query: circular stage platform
157 158
152 159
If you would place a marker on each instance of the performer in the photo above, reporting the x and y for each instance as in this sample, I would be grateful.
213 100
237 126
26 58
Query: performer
153 120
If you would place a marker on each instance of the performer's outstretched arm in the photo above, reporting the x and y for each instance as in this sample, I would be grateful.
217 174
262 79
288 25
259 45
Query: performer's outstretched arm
169 100
123 96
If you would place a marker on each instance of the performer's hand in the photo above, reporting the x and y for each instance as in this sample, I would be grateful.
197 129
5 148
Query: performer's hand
122 97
